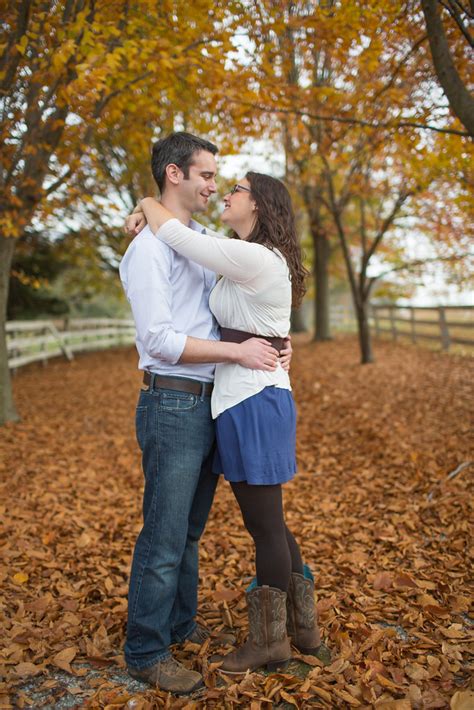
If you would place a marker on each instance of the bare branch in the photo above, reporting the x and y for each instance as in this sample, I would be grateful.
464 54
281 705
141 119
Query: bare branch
57 183
351 121
387 223
399 66
102 103
409 266
337 217
452 8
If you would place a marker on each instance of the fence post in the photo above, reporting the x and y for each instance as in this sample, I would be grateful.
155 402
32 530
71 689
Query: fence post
44 332
413 325
444 330
393 323
376 321
12 353
61 342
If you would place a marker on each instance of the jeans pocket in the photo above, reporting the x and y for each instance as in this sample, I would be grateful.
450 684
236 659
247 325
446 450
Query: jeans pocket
140 425
177 401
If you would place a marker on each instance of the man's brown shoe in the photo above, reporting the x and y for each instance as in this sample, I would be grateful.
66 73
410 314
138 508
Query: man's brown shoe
199 634
168 675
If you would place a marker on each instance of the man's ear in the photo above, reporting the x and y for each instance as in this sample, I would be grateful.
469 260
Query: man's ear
173 173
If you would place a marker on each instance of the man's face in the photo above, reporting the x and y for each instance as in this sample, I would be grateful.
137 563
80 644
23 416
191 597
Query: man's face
196 190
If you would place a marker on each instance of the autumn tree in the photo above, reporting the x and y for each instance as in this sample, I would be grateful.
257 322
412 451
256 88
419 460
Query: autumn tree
319 75
72 71
349 82
282 34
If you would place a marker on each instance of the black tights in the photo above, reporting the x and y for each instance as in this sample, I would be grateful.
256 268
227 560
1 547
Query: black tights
277 554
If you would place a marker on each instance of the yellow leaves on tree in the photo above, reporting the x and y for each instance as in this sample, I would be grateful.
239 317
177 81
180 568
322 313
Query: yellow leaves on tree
85 86
352 86
65 72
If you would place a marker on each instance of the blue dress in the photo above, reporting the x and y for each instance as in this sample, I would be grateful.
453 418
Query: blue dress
256 439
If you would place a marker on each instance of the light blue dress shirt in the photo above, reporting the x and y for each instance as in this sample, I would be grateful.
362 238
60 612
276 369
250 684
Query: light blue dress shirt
169 297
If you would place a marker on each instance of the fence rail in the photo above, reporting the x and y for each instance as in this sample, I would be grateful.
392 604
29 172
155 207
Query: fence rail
447 325
38 341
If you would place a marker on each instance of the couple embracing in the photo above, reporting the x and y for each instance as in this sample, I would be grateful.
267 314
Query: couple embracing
215 399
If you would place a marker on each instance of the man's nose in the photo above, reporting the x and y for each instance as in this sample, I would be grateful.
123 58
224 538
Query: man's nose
213 186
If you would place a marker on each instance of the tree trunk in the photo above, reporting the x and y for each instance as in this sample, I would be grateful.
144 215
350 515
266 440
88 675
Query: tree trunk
322 252
458 95
7 408
298 321
365 340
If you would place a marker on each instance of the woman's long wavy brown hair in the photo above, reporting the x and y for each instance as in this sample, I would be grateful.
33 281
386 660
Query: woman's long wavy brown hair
276 228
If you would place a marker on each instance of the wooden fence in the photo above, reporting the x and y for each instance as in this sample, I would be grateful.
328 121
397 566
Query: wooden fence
37 341
445 325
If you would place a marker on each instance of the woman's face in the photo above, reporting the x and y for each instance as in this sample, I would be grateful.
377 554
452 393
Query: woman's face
240 210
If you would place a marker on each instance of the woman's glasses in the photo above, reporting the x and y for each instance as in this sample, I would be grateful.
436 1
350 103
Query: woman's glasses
237 187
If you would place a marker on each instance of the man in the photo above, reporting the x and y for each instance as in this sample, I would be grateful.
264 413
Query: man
178 344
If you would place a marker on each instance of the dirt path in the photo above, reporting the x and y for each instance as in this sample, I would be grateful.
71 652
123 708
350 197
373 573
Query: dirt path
380 511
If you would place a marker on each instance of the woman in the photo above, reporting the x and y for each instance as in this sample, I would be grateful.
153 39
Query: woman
262 274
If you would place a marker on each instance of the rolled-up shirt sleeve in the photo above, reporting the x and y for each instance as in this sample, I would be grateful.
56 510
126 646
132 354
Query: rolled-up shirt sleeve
146 281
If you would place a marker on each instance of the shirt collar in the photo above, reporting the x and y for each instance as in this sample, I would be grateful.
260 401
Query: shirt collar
196 226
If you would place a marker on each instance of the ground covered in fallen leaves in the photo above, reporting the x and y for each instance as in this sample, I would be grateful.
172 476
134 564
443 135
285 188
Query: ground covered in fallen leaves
381 507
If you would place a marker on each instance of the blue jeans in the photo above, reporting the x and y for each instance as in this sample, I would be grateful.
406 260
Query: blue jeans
175 432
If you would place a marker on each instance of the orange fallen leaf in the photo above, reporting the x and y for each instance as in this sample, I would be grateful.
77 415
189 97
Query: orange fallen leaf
382 581
385 682
337 666
462 700
289 698
373 639
404 580
322 693
436 610
63 658
455 631
28 669
347 697
226 595
416 672
20 578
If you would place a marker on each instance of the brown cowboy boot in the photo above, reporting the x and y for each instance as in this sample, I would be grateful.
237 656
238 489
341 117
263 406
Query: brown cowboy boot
267 643
302 618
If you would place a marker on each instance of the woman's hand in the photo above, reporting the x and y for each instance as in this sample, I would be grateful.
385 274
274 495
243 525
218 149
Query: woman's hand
257 354
134 223
286 354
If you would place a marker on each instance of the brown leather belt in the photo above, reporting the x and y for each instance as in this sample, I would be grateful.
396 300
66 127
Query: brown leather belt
178 383
229 335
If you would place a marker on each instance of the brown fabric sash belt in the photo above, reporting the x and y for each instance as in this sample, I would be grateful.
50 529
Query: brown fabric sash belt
229 335
179 384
